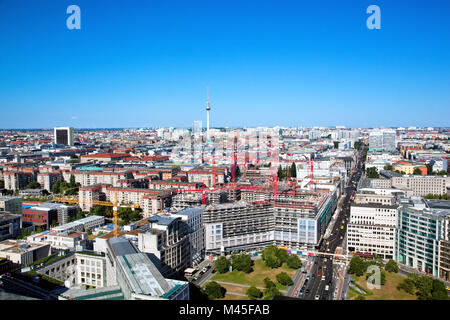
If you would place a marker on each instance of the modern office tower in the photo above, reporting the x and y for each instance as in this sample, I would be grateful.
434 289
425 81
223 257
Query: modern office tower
63 135
197 127
376 140
389 140
193 218
371 228
382 140
420 232
167 238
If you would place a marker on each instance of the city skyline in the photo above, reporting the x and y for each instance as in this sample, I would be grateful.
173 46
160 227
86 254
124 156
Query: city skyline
266 64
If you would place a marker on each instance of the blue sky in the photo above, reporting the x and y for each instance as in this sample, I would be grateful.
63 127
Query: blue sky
289 63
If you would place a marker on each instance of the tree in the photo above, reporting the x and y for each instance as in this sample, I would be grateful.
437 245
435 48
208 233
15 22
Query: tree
281 173
388 167
2 184
242 262
294 262
382 278
89 231
254 293
222 265
101 211
372 172
417 171
360 297
407 285
424 286
438 291
268 283
270 293
33 185
284 279
336 144
272 261
391 266
72 181
357 266
293 171
214 290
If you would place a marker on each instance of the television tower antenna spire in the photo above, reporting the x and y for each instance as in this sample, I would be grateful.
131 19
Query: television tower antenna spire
208 108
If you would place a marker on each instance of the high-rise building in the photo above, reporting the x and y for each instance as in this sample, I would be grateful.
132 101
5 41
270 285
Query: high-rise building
63 135
380 140
420 232
197 127
376 140
389 140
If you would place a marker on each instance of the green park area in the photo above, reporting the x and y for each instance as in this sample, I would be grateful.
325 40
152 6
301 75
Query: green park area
255 279
393 285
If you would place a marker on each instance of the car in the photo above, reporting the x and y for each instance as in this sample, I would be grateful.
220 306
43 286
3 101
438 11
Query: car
307 278
317 297
323 278
204 270
305 283
307 291
319 274
327 287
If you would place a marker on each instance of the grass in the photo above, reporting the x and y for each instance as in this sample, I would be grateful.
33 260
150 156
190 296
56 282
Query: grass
233 297
255 278
388 291
352 294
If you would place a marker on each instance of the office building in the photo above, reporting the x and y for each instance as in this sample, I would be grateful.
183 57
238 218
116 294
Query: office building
23 253
63 135
419 234
193 218
237 226
167 239
371 228
11 204
10 225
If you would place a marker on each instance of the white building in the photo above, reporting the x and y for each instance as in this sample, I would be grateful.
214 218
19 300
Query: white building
89 222
371 229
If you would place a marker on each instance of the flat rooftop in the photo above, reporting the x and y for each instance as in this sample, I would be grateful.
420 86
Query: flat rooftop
142 275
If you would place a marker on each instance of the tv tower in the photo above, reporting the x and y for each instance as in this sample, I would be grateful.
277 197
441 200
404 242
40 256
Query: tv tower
208 108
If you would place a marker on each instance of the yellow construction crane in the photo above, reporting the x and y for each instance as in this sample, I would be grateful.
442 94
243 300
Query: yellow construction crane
115 206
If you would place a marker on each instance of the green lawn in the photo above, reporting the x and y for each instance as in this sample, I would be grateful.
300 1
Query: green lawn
256 278
386 292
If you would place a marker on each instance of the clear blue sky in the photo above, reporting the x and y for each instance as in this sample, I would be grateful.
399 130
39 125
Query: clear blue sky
148 63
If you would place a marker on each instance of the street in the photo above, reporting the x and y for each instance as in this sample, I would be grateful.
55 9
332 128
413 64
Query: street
321 273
